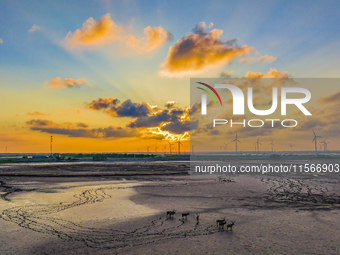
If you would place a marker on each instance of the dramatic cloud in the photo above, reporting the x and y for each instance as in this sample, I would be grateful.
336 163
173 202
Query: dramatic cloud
199 50
156 119
175 121
104 32
125 109
80 129
59 83
273 73
179 127
333 98
170 104
34 28
151 122
37 114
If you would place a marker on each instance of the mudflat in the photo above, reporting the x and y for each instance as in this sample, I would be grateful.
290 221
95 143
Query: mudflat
121 208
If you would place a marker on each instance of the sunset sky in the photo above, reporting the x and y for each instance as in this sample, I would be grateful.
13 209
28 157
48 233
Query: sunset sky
109 76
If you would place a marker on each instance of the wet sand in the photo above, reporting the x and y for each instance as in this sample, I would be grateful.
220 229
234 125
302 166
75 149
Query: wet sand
124 212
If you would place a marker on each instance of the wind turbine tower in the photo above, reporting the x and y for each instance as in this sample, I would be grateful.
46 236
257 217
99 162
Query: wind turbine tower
51 145
226 147
170 147
324 145
179 146
258 144
272 144
314 140
236 141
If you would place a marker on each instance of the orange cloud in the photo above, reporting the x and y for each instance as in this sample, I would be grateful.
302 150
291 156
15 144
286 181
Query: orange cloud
155 38
1 41
104 32
273 73
253 60
66 83
266 59
102 103
199 50
245 60
37 114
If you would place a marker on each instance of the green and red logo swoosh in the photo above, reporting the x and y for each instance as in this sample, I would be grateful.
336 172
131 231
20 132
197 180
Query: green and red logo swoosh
209 93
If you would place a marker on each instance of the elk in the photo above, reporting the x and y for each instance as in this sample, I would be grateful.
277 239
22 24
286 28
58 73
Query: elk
185 214
170 213
231 225
221 222
197 218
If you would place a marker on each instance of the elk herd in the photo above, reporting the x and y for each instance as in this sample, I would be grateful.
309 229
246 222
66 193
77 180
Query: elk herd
219 223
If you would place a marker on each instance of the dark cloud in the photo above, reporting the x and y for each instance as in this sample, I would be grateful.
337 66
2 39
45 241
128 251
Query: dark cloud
125 109
103 103
170 104
179 127
157 118
130 109
80 129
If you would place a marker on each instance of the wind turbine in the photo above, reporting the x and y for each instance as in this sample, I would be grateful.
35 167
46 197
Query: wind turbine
156 149
314 140
324 145
147 149
226 147
255 146
179 146
272 144
236 141
164 146
170 147
258 144
291 147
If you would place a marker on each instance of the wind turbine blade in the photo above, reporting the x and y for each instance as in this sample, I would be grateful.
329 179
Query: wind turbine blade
313 132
